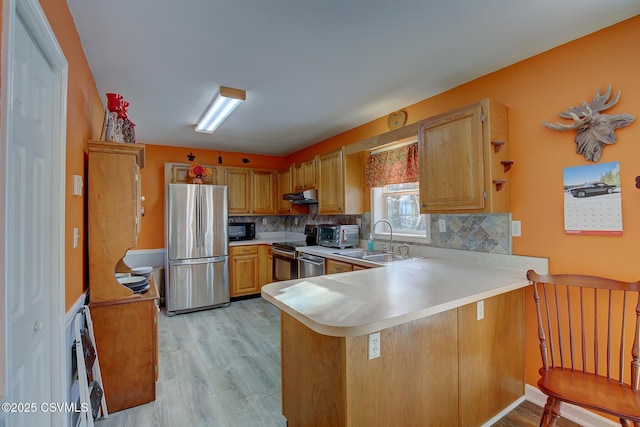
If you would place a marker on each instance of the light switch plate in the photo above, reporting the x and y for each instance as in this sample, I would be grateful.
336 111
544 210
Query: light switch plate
77 185
442 225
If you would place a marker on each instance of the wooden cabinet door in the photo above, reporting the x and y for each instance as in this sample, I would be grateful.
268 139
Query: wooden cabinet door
334 266
330 183
245 270
285 185
308 174
266 264
451 161
239 193
297 178
263 192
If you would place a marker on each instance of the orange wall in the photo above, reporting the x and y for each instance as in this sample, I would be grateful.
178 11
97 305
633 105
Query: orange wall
535 90
151 235
84 121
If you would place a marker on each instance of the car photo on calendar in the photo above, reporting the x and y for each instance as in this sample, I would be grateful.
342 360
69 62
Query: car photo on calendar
595 189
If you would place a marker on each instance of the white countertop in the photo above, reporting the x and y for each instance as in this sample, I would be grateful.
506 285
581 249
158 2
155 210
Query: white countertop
366 301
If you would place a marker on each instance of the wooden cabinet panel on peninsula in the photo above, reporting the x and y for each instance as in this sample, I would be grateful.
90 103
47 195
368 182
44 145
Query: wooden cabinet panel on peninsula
125 324
464 160
446 369
340 180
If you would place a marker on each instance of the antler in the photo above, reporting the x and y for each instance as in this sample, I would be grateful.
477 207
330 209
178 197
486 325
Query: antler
586 114
599 102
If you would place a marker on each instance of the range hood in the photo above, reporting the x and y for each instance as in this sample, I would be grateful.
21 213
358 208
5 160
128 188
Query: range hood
302 197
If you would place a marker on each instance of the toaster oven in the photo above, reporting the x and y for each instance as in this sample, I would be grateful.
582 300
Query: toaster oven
339 236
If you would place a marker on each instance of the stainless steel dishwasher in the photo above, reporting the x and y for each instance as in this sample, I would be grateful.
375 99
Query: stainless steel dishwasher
310 265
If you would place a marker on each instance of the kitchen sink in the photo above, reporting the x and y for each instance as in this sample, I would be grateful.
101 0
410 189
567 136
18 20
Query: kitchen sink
385 257
359 253
374 256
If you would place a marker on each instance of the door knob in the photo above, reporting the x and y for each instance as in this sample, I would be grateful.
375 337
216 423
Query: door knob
37 326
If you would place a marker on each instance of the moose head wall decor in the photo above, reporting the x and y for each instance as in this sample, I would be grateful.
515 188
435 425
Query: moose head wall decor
593 130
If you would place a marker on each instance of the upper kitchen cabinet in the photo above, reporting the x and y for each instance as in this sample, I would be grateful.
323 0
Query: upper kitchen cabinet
304 175
285 185
464 160
114 205
263 183
239 182
340 179
251 192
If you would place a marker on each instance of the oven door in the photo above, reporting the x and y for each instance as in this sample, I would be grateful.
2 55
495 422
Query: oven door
284 264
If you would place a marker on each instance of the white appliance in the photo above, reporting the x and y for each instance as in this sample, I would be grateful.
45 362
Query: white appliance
197 241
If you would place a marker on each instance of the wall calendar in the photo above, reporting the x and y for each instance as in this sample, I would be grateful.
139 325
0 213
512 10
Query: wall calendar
593 199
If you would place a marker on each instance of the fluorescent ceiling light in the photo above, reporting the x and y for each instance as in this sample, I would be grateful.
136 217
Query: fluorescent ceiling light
225 101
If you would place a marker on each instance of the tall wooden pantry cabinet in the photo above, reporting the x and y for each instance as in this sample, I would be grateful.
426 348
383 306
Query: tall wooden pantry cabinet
125 324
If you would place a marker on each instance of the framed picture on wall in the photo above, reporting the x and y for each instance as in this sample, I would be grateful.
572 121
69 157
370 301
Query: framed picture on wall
593 199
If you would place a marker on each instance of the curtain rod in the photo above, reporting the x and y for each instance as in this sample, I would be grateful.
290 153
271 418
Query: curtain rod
394 145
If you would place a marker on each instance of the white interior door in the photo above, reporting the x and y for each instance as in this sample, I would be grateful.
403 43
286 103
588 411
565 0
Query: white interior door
30 273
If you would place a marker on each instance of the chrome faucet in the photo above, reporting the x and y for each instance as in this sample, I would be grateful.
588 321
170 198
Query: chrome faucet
390 233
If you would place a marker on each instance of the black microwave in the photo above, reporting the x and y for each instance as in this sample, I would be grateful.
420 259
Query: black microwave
242 230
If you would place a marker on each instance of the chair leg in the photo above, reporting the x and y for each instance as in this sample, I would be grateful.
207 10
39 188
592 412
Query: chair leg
625 423
551 413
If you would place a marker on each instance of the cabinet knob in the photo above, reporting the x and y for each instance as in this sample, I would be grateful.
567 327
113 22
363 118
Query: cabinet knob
142 199
423 205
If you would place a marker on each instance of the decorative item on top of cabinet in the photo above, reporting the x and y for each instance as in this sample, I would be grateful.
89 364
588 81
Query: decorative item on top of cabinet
179 174
341 183
593 130
397 120
463 160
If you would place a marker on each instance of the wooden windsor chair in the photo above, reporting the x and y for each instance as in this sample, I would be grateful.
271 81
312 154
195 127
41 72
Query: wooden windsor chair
587 338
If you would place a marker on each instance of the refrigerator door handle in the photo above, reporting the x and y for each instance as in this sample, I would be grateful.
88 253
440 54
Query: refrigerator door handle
198 261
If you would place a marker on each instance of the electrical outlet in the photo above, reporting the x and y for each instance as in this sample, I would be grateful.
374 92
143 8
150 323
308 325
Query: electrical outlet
296 220
374 345
264 221
442 225
516 229
480 309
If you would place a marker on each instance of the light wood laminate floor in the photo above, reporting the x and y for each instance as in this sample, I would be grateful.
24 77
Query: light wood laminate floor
221 368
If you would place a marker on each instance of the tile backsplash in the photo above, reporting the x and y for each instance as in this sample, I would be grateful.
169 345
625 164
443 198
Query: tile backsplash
470 232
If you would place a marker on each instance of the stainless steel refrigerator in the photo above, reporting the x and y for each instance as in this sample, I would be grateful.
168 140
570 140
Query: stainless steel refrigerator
196 236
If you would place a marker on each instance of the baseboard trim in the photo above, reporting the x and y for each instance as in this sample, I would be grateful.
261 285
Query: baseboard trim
504 412
71 314
570 412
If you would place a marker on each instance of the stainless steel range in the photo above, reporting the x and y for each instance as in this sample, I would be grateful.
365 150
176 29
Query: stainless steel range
285 263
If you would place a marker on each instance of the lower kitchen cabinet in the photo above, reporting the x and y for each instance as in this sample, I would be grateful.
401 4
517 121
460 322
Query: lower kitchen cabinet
126 333
244 270
333 266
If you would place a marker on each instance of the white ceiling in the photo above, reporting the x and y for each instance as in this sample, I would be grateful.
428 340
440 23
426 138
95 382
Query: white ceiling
311 69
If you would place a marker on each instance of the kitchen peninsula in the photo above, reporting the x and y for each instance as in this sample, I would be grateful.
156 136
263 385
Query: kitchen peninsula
451 343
